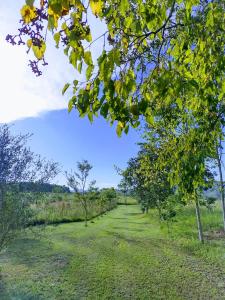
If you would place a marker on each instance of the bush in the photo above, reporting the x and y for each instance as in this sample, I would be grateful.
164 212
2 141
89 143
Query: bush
15 215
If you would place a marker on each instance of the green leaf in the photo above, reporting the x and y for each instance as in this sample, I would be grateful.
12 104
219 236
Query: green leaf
30 2
70 105
88 58
150 119
96 6
57 38
104 110
124 6
126 129
51 23
119 128
88 37
118 86
66 86
39 51
179 103
223 86
89 70
79 68
90 116
73 58
75 83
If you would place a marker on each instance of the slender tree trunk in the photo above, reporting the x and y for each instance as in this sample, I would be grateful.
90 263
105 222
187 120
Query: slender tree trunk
86 212
221 186
199 222
86 224
1 196
159 209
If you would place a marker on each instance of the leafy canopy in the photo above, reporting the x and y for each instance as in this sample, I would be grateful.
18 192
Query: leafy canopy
161 55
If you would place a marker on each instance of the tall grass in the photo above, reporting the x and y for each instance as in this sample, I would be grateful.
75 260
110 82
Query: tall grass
182 232
60 208
126 200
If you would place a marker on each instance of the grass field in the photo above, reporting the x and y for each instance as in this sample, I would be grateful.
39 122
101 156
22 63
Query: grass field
122 255
126 200
53 208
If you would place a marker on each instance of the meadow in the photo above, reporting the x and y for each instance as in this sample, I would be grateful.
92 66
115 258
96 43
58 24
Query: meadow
122 254
53 208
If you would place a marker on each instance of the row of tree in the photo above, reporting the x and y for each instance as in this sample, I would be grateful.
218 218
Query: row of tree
150 175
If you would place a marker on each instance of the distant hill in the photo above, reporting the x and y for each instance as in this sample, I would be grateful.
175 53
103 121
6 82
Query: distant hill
43 187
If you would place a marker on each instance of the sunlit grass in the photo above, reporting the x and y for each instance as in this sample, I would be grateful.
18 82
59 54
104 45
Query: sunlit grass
122 255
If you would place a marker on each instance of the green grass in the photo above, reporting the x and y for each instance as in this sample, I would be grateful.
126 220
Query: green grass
126 200
184 232
122 255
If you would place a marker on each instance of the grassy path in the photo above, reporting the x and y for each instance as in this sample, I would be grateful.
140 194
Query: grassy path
122 255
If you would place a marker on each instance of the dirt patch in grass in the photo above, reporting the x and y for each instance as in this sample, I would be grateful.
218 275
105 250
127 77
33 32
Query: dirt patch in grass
215 234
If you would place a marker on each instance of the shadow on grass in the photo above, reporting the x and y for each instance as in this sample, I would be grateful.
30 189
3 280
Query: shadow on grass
7 294
116 218
138 223
3 291
22 251
125 228
122 237
133 214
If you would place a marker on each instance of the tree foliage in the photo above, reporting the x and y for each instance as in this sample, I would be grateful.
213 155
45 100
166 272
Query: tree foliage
150 43
18 163
143 177
164 61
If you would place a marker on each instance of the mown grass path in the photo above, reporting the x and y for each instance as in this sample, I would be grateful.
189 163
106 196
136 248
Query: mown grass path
122 255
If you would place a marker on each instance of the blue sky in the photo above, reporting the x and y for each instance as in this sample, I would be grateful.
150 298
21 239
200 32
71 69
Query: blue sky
66 138
36 105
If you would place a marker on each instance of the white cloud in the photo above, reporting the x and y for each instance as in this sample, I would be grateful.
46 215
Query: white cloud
21 93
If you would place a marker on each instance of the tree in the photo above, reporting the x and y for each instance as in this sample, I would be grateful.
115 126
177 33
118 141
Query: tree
77 181
188 161
168 162
107 196
143 177
18 164
219 153
123 188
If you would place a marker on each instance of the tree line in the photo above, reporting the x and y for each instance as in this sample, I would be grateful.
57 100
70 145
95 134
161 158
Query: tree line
146 177
42 187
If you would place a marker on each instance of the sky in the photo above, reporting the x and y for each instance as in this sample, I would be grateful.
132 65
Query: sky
36 105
